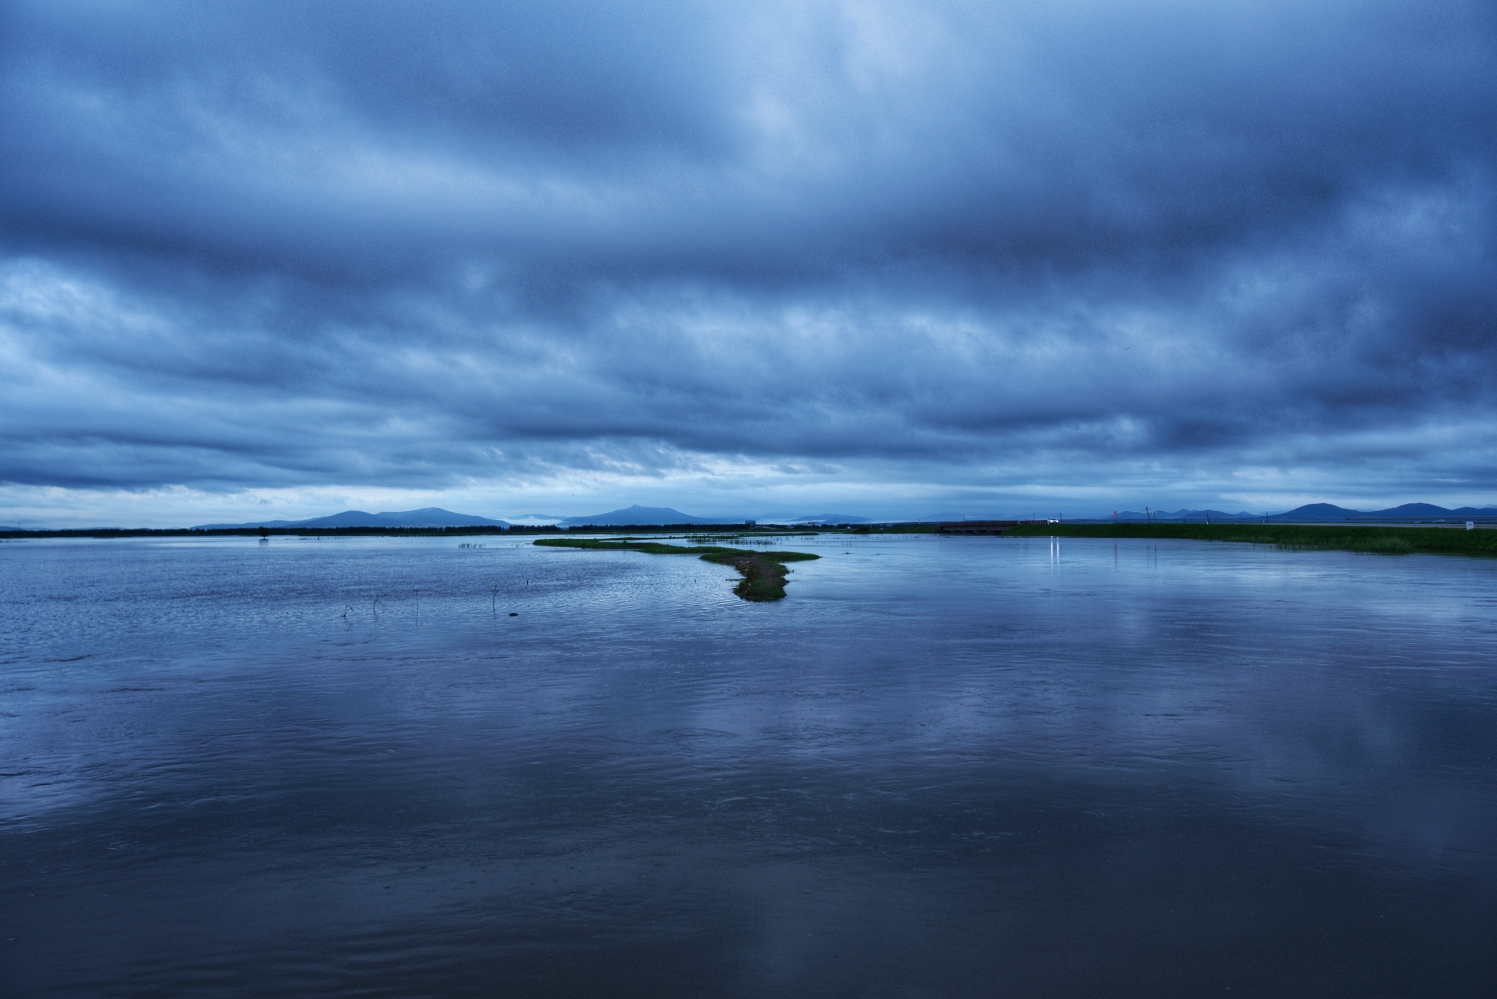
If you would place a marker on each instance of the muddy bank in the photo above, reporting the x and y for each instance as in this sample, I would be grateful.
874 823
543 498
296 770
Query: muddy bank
763 572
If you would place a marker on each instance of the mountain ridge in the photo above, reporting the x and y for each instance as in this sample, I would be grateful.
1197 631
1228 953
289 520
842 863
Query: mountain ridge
646 516
651 516
431 516
1309 513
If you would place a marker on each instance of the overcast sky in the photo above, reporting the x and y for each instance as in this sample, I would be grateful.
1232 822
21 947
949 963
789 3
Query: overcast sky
277 260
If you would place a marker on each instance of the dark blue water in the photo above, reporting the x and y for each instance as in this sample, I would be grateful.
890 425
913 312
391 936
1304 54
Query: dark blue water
941 767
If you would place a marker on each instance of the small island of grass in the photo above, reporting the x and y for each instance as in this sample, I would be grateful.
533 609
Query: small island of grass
763 572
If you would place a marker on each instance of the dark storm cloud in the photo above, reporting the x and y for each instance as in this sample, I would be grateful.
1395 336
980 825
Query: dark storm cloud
1041 244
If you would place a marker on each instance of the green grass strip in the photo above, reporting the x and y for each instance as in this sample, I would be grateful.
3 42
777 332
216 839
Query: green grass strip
1381 540
763 572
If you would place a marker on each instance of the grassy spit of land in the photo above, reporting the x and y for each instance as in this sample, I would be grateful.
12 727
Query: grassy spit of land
763 572
1383 540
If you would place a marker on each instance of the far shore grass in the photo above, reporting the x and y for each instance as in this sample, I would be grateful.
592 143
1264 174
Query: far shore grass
763 572
1378 539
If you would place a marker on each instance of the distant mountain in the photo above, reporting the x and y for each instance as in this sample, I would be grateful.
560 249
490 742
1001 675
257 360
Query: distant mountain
1429 510
1314 512
944 516
1185 516
822 518
1219 516
432 516
1311 513
646 516
1329 512
662 515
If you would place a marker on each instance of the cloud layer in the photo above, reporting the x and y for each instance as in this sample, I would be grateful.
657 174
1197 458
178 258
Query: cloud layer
672 252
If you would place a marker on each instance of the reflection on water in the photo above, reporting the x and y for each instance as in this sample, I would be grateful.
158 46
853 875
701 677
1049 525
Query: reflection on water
942 766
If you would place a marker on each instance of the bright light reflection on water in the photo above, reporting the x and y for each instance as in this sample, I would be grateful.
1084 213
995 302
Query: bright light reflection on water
947 767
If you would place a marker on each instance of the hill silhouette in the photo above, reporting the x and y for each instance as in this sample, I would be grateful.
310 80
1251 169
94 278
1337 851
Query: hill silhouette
646 516
432 516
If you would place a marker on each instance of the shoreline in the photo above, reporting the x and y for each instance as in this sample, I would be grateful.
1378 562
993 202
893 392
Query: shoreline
1373 538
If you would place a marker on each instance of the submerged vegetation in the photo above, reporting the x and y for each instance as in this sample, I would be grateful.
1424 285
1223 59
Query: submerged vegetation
763 572
1381 540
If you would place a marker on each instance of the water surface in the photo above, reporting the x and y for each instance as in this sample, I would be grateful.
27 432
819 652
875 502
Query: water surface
940 767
